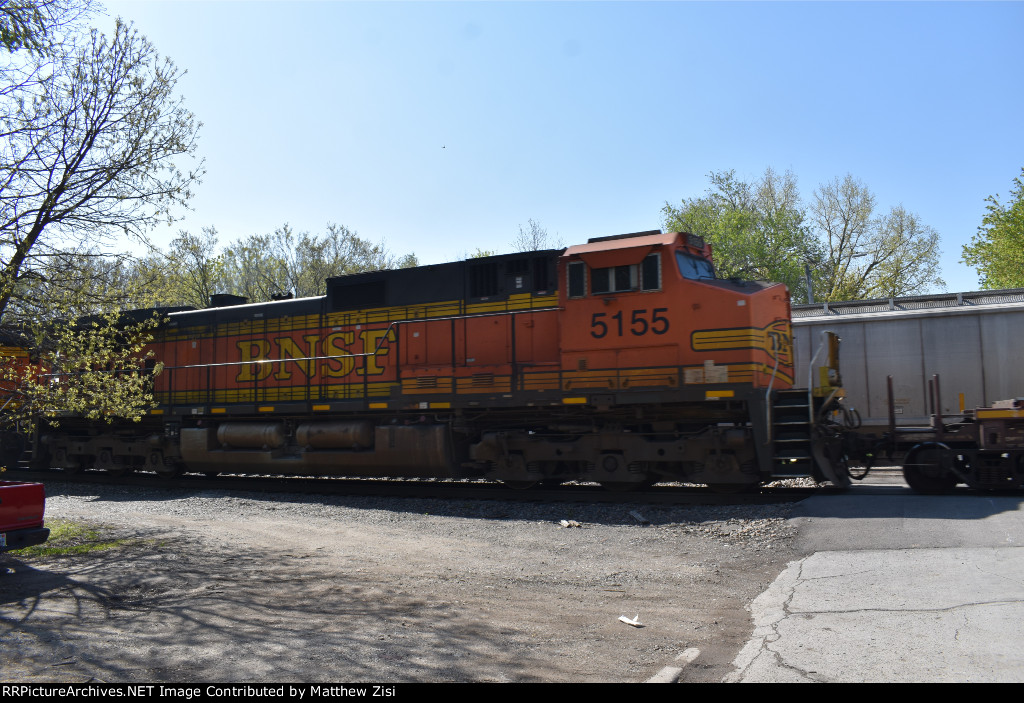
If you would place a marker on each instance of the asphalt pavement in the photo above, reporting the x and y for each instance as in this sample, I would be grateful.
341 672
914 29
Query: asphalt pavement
898 588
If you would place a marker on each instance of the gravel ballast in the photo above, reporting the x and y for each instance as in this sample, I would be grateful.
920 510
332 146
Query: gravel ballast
219 586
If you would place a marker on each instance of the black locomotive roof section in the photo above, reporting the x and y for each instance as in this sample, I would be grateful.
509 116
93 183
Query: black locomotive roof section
613 237
486 278
223 300
378 289
498 277
134 317
490 277
12 337
250 311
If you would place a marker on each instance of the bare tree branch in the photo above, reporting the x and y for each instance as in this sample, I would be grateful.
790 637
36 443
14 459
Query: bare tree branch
90 153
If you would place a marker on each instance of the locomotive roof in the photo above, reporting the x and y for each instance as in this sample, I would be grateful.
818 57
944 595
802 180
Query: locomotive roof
609 244
230 313
620 252
488 278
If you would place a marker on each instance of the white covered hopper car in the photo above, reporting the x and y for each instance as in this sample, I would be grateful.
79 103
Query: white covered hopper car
972 341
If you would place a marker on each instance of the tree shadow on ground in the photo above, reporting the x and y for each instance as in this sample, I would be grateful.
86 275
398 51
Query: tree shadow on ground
167 613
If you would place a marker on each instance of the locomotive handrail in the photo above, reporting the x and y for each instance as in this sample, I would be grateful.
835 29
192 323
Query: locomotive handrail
380 342
810 378
767 401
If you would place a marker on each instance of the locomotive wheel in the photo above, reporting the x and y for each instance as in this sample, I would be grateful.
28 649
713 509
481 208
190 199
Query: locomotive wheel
170 470
84 463
928 470
70 464
164 467
113 465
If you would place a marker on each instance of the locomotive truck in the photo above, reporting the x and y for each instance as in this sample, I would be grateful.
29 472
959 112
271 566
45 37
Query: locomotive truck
624 361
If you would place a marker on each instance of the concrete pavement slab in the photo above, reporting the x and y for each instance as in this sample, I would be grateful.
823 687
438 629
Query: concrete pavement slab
933 590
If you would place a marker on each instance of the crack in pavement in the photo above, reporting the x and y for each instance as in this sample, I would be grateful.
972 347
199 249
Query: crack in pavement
901 611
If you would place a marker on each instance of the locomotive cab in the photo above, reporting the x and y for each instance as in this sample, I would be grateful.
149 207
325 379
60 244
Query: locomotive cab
675 365
642 304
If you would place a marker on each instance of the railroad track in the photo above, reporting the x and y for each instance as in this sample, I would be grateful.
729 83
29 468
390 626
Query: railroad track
431 488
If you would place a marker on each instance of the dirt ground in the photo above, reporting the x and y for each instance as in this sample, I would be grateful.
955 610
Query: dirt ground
216 587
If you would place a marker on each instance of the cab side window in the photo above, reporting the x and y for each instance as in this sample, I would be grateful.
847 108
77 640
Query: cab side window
577 283
650 273
616 279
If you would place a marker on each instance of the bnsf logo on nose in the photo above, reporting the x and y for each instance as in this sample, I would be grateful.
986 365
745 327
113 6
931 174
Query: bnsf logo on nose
775 339
779 337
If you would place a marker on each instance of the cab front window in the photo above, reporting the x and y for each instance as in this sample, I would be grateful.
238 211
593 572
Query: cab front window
694 267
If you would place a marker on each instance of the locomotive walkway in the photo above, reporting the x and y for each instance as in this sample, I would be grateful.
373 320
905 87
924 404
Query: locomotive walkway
899 587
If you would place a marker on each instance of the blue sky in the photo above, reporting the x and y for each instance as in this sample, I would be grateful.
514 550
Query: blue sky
442 127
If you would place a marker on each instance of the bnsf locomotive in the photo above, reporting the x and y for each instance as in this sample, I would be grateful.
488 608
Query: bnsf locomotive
623 361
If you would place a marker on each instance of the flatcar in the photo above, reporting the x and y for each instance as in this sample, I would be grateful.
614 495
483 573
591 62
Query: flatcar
623 361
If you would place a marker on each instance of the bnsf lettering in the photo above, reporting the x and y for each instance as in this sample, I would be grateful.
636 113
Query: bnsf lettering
636 324
335 345
303 355
371 342
290 350
780 345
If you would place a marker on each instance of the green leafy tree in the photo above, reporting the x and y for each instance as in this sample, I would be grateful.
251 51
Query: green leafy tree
70 284
89 154
195 270
906 251
91 138
763 230
756 230
22 25
262 266
867 256
98 369
86 359
534 237
997 250
842 212
35 26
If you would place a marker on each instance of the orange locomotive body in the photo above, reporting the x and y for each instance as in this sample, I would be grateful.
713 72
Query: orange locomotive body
623 361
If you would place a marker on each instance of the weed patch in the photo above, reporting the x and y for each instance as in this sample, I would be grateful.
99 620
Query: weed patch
68 537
